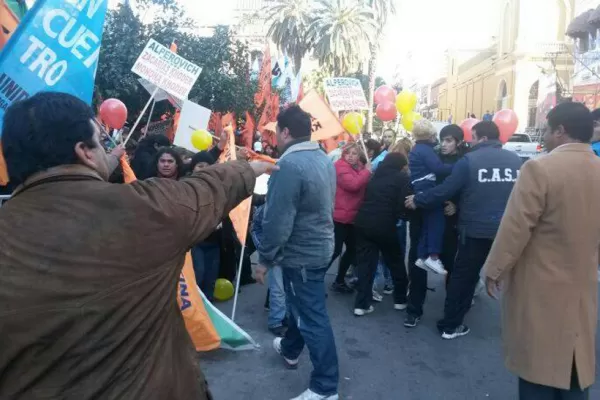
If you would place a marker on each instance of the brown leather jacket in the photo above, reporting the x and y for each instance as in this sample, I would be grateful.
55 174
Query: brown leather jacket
88 280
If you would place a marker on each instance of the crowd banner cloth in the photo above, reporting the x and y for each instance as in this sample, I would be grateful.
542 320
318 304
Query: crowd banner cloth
208 327
54 48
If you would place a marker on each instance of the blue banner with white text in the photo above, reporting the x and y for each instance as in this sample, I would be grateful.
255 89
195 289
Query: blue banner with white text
55 48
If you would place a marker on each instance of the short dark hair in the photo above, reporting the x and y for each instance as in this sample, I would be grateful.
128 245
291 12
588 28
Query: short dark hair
575 118
178 161
374 145
454 131
296 120
487 129
41 132
201 156
596 114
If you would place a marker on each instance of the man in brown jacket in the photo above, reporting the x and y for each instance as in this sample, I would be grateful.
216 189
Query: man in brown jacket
546 256
89 269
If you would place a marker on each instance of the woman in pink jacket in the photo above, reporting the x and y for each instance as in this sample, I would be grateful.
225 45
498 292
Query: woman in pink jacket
353 172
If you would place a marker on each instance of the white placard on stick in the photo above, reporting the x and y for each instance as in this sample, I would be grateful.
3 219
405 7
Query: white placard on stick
345 94
193 117
167 70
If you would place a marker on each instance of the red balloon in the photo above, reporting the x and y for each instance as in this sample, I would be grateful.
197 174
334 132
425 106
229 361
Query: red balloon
113 113
467 127
507 122
386 111
384 94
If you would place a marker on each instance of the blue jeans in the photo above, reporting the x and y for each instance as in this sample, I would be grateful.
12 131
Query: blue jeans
308 324
432 232
276 298
207 259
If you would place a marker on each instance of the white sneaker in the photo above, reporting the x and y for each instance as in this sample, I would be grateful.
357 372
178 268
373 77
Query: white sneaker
436 266
400 307
310 395
291 364
421 264
359 312
377 297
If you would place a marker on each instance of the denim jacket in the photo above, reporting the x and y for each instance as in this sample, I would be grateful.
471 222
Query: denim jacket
297 224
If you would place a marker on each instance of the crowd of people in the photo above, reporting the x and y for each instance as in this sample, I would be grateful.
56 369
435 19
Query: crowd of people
100 260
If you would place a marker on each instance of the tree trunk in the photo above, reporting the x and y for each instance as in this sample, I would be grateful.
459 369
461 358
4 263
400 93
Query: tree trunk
371 91
297 63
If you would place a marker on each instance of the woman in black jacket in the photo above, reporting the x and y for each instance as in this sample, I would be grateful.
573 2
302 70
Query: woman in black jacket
375 227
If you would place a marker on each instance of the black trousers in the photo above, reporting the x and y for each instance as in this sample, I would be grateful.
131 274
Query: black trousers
470 258
418 276
449 248
533 391
368 247
344 234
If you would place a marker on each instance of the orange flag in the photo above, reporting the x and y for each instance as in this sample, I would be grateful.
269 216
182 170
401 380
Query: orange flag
196 319
263 94
254 156
240 216
3 170
325 124
128 174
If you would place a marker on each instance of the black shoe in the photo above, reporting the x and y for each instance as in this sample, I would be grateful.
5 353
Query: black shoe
411 321
388 289
341 288
278 331
450 334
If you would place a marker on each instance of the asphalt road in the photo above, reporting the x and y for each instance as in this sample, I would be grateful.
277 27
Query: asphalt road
379 358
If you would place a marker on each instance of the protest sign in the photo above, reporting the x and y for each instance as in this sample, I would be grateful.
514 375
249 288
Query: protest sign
324 122
151 87
158 127
345 94
192 118
167 70
55 47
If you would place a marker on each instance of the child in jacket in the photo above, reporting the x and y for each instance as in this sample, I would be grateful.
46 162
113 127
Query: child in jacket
425 168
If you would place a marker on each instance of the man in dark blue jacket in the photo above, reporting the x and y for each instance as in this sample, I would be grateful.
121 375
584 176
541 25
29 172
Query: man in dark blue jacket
484 178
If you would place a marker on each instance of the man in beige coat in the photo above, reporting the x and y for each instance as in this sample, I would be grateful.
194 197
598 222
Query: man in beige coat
545 258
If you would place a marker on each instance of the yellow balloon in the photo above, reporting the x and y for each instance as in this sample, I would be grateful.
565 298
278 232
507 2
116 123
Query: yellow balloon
406 101
201 139
223 289
353 123
409 118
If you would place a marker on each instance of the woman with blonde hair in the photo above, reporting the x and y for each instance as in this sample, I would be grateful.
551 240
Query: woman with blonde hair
353 172
425 169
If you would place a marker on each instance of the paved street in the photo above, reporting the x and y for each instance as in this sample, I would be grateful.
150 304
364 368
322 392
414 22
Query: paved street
379 358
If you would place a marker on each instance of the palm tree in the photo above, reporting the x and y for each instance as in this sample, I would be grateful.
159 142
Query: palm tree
382 9
289 21
341 33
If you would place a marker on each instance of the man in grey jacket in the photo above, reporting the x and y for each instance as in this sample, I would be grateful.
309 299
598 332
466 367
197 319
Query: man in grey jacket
298 236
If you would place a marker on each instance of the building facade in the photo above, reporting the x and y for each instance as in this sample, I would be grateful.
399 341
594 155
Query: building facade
531 47
584 29
248 24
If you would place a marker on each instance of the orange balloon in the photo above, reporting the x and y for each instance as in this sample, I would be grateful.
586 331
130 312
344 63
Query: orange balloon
467 127
507 122
113 113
